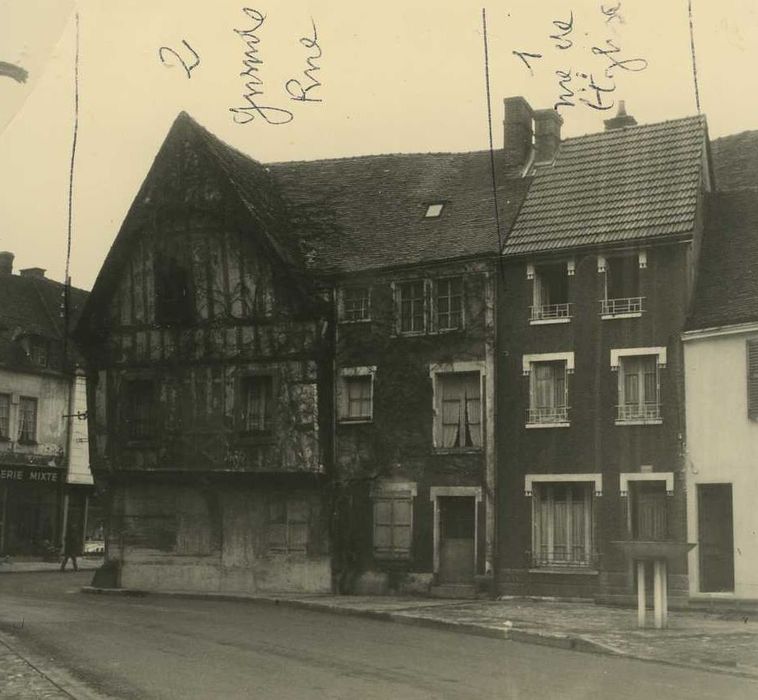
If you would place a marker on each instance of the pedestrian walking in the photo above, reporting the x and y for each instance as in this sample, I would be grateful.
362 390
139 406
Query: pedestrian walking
71 548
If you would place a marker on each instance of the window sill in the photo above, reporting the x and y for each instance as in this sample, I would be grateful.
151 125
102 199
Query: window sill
549 321
457 450
568 570
631 314
410 334
355 421
655 421
532 426
356 320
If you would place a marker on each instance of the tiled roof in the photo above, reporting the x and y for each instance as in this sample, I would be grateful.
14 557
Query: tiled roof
727 285
635 183
735 161
32 306
377 203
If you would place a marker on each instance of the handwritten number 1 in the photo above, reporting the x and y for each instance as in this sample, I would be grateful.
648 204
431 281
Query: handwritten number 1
187 68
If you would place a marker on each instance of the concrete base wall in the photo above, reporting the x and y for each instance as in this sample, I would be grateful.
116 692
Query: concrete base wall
217 539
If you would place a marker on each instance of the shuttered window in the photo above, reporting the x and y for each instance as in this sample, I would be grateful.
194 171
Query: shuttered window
393 517
752 379
287 527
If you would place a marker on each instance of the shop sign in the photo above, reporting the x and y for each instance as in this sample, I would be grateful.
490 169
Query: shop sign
33 475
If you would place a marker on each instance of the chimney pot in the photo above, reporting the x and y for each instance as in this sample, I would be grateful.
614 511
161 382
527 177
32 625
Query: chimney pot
6 262
517 128
38 272
621 119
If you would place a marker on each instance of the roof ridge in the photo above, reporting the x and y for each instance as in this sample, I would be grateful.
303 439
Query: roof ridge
636 127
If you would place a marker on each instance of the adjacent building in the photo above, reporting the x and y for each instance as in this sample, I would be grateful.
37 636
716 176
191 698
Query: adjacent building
598 276
721 373
45 482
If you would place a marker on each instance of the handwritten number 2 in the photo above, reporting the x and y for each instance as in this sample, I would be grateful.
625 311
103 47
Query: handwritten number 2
187 68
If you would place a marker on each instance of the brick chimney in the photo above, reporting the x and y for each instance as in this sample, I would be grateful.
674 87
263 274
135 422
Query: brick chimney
547 134
6 262
517 128
621 119
38 272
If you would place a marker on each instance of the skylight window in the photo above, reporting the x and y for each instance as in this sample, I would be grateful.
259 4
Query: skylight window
434 211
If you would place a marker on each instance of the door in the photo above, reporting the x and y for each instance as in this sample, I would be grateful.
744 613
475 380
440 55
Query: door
457 538
715 537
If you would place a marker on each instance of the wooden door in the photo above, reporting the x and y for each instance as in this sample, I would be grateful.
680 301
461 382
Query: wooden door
457 538
715 537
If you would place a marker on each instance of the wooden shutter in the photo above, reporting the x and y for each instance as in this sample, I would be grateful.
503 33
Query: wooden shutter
752 379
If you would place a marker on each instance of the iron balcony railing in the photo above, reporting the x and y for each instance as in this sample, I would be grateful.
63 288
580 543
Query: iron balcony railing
543 416
639 412
616 307
550 312
564 556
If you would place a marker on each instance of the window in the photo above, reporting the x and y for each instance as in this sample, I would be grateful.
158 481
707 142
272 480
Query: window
648 510
39 353
752 379
548 394
448 303
258 405
5 417
434 211
412 307
562 524
174 297
356 304
622 287
140 409
458 410
27 409
639 400
356 394
550 293
287 527
393 519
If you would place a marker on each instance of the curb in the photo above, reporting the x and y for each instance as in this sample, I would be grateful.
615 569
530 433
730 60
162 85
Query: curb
57 676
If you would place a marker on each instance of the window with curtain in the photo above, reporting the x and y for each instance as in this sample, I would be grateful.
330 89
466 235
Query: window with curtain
548 393
459 422
357 397
27 412
5 416
393 521
257 404
638 389
288 525
562 524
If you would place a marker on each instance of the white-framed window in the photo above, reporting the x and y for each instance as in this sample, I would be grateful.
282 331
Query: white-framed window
27 426
550 293
639 386
448 303
5 416
356 394
548 389
622 298
458 411
410 300
434 210
287 526
393 519
562 523
355 304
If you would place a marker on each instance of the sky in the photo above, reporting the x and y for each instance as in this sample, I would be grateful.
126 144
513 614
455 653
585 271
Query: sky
395 76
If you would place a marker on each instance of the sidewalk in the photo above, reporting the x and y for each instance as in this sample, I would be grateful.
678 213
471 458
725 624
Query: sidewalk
725 643
16 567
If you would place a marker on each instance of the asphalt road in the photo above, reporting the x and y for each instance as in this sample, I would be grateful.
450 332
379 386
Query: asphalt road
156 647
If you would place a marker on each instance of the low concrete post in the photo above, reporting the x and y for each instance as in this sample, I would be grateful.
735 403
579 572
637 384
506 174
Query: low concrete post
660 597
641 601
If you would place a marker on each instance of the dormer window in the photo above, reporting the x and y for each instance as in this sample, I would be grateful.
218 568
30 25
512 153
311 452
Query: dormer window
434 210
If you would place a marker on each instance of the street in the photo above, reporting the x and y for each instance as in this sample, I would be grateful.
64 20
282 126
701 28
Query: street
153 647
